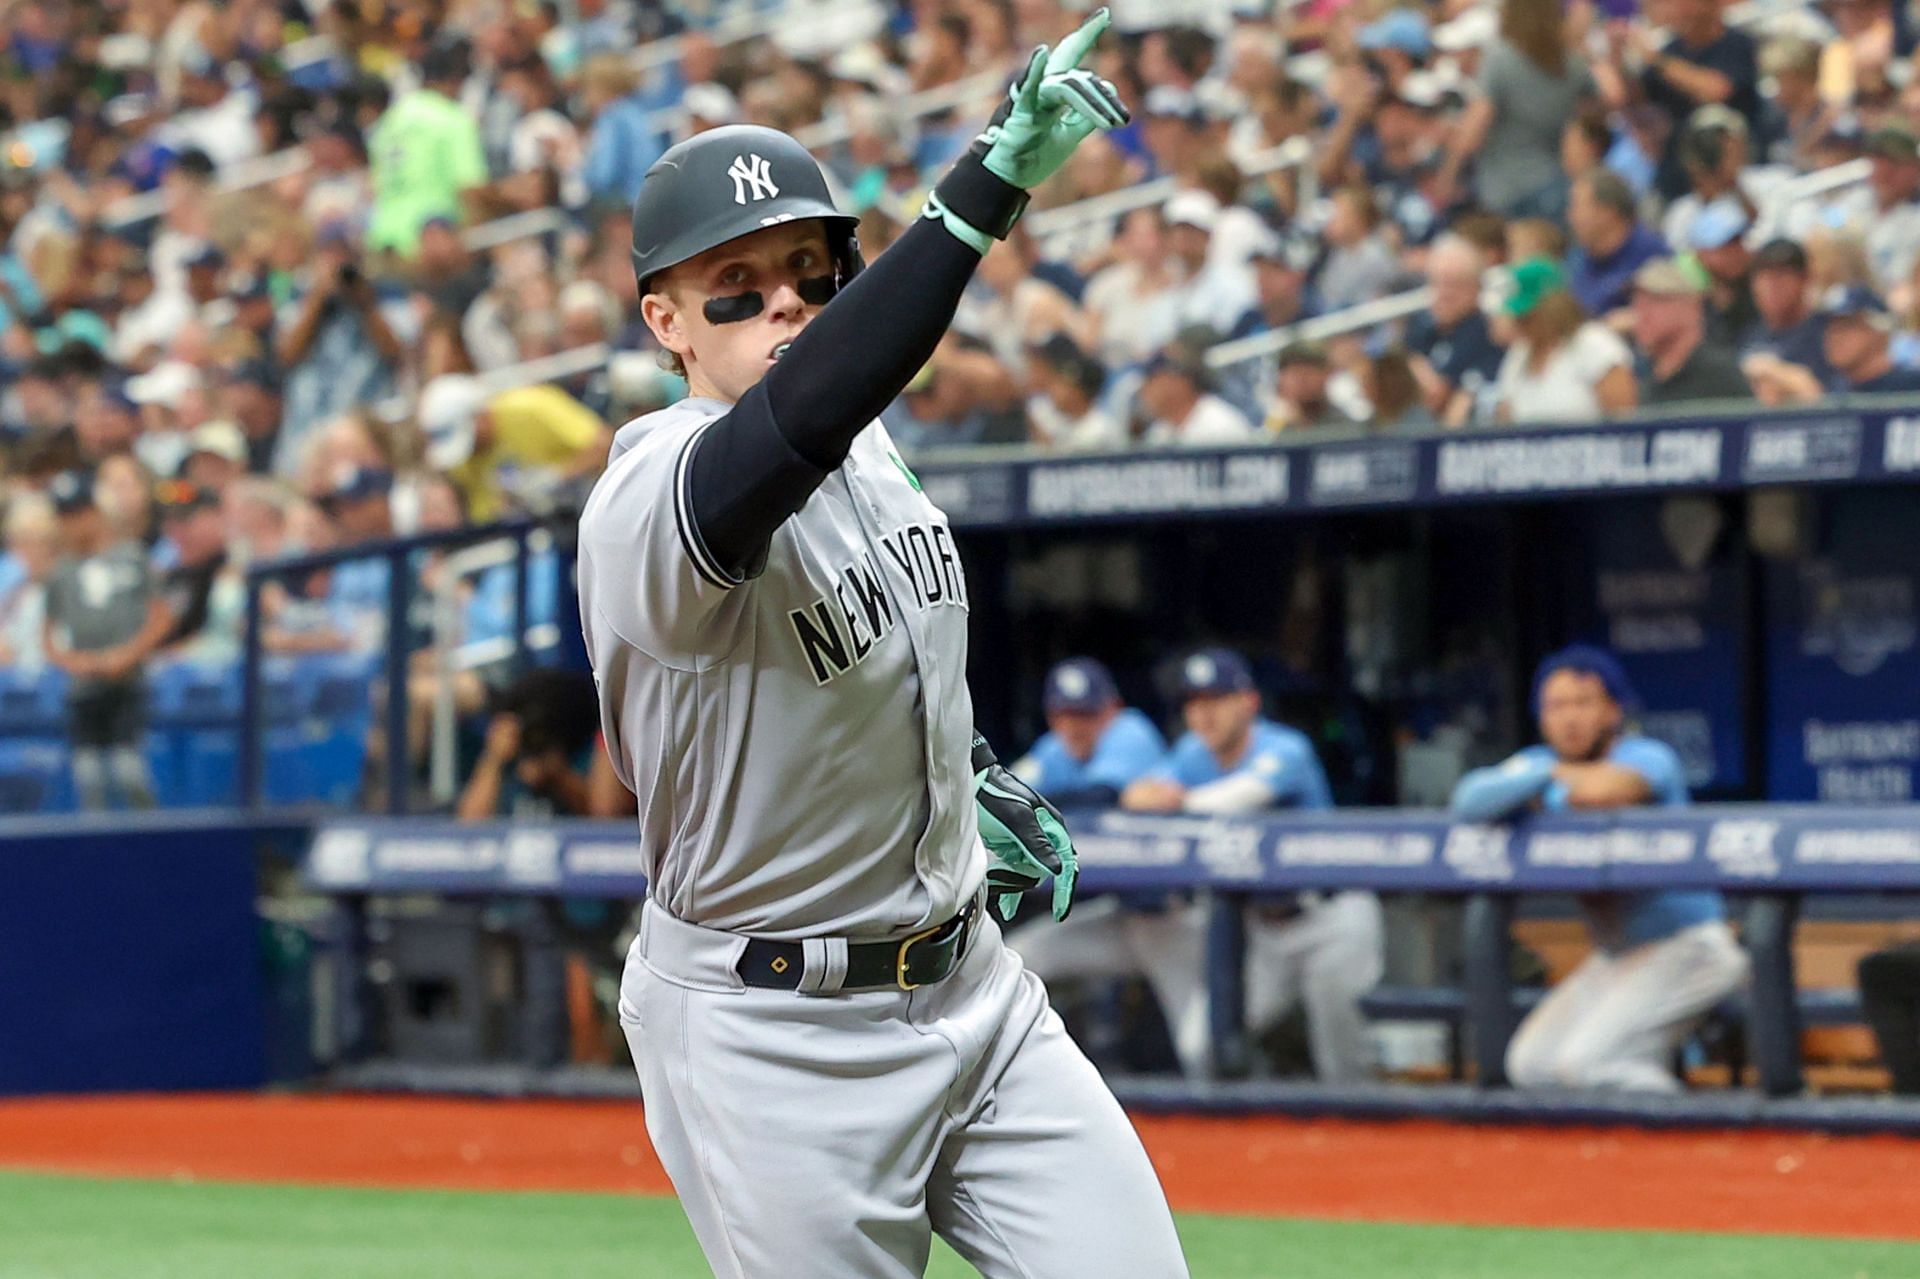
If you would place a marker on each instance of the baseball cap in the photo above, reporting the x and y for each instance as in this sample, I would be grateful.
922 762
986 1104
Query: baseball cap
1402 29
356 483
71 491
220 439
1210 672
1285 249
207 255
1587 659
179 498
1894 142
1079 685
1193 208
1780 255
1526 284
1854 301
1717 116
1666 277
1719 224
448 406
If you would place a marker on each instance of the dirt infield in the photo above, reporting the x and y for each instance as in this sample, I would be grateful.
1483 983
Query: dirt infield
1756 1182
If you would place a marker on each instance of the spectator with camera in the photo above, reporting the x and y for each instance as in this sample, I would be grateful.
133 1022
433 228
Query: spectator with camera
1659 960
339 350
537 759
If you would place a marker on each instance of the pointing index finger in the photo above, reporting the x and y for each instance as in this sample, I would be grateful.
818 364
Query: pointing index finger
1072 49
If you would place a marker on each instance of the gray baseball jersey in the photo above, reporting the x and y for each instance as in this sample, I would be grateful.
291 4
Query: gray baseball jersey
799 741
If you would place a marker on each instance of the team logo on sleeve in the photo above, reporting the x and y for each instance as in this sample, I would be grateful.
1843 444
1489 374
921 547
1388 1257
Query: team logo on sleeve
752 179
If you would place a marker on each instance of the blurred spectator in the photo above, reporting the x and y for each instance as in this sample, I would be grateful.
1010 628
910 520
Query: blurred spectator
1890 998
1660 960
1321 952
426 156
515 444
1858 343
1720 249
1138 283
104 613
1702 62
1670 329
1713 151
1451 351
1891 219
216 457
1301 402
1794 117
538 752
1209 287
249 397
1281 267
1394 393
1609 242
205 599
1531 84
1013 310
1181 407
1559 366
357 504
123 488
1064 407
339 351
1785 325
1358 265
622 139
32 547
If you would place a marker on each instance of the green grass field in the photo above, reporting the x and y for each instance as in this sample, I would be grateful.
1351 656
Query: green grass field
75 1228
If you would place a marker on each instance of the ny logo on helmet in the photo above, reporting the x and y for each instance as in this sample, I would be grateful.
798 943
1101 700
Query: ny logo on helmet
752 179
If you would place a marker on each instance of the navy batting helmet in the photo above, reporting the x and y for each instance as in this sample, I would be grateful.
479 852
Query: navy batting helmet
728 182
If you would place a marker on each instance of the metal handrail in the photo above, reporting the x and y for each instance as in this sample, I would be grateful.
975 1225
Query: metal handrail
1291 154
515 226
395 551
915 106
239 176
1351 319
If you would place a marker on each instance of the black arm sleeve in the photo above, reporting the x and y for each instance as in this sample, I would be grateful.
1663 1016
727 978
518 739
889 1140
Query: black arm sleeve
756 466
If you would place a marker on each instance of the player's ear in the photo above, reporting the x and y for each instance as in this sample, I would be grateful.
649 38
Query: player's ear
665 318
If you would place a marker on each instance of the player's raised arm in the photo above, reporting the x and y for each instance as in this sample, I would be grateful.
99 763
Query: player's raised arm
757 465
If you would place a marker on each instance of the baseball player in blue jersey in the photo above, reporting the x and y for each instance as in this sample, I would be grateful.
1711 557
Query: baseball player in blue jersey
1094 744
1320 951
838 1055
1660 960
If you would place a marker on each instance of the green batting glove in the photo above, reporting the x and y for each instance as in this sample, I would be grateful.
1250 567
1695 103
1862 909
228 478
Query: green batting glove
1025 835
1051 111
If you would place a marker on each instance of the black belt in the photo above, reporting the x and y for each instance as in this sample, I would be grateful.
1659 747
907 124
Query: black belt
920 960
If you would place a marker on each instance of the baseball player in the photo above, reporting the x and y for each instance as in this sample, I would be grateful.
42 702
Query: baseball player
839 1057
1094 748
1659 960
1322 951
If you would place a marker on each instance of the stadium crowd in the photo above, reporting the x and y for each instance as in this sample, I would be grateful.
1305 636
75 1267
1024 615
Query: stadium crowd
285 276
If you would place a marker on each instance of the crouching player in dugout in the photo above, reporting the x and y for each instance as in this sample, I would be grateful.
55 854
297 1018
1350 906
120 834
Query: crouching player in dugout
1660 960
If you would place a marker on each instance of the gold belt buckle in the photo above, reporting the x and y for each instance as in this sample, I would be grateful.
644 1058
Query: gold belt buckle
900 959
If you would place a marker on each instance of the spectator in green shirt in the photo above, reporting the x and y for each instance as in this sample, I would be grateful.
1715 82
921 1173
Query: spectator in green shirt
425 153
